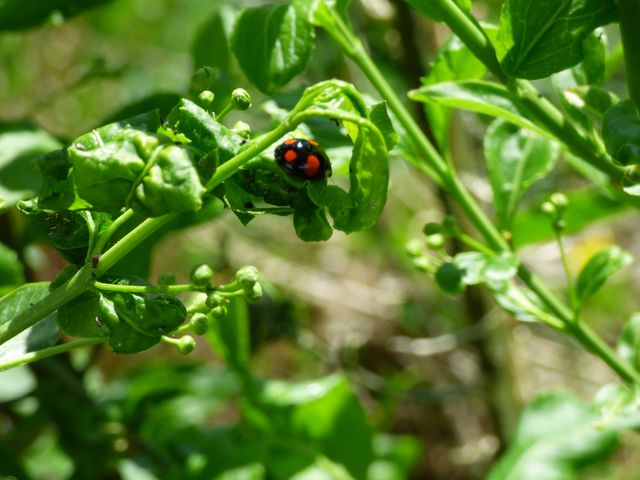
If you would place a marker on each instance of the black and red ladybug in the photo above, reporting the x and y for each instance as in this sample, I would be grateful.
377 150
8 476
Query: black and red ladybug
303 159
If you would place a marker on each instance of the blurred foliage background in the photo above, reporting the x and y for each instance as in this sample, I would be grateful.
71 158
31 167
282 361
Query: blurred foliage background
450 375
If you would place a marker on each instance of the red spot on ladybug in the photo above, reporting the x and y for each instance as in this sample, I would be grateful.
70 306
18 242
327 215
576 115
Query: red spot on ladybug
303 159
313 165
290 155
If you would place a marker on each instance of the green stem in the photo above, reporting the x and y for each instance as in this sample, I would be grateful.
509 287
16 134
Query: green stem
630 34
471 33
48 352
113 228
590 339
54 300
567 270
259 144
110 287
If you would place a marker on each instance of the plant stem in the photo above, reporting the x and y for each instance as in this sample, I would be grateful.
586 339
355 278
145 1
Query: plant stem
48 352
49 304
110 287
113 228
567 270
471 33
630 33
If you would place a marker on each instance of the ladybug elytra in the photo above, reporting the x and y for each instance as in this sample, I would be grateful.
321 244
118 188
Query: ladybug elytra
303 159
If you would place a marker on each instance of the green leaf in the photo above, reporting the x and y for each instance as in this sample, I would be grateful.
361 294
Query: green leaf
136 321
20 14
19 145
172 184
594 63
286 40
619 407
380 117
453 62
621 132
230 338
81 317
554 440
43 334
478 96
629 342
326 416
67 231
433 11
584 208
536 39
11 271
361 207
515 159
598 269
205 134
593 101
310 221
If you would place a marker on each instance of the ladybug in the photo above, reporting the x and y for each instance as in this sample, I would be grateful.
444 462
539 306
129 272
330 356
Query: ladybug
303 159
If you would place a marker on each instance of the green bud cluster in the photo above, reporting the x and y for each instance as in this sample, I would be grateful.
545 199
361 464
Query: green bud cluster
202 275
554 208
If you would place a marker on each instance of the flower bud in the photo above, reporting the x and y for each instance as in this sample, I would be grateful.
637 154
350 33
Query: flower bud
206 98
435 241
186 344
254 294
218 312
242 129
414 248
199 323
202 78
432 228
247 277
166 279
548 208
241 99
201 275
559 200
214 299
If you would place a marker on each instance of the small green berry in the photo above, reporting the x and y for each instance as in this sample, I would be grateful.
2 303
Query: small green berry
201 275
241 99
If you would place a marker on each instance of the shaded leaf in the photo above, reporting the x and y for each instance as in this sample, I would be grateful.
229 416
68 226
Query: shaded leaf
21 14
11 271
621 132
598 269
554 440
515 159
20 145
629 341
